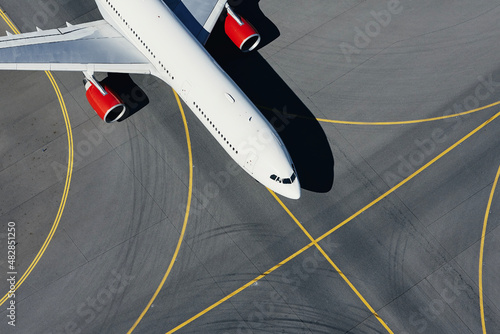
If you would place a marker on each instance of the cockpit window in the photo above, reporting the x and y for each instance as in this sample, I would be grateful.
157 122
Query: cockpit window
289 180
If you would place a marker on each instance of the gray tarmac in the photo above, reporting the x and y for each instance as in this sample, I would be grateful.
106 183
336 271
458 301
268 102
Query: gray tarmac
413 256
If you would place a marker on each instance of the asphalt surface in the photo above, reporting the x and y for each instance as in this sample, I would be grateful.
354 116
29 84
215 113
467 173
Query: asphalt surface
412 256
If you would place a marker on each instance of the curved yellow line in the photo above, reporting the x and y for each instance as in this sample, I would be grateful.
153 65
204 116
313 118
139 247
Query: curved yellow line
481 252
400 184
68 175
337 269
411 121
303 249
186 216
416 121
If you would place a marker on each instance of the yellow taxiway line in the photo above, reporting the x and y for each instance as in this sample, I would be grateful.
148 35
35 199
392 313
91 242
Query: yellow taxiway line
314 241
68 173
416 121
186 217
337 269
375 123
481 251
303 249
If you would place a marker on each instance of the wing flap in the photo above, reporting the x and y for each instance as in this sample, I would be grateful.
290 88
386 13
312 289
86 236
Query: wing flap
95 45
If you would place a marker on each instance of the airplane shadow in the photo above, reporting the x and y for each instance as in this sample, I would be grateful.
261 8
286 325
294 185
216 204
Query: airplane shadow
297 126
132 95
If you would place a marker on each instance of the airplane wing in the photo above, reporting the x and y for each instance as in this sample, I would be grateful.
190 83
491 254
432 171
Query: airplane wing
199 16
94 46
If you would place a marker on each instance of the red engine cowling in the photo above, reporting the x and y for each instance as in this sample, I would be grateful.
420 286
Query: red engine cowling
241 32
109 107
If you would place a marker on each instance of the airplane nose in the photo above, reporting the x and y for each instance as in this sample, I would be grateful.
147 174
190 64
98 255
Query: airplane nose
291 191
295 191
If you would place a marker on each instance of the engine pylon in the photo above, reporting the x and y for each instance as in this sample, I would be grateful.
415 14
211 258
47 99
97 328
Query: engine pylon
240 31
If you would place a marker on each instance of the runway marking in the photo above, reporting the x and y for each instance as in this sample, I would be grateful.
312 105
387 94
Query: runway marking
303 249
186 217
68 173
424 120
337 269
481 252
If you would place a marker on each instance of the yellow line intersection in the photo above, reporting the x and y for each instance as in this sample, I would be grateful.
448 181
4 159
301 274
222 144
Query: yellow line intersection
337 269
315 241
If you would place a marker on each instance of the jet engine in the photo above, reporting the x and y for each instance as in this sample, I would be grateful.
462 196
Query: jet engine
241 32
108 106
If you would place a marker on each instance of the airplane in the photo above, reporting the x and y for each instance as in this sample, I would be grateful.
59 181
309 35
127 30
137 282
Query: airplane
165 39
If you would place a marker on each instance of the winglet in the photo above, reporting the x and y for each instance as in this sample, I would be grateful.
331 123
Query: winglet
68 24
38 29
8 33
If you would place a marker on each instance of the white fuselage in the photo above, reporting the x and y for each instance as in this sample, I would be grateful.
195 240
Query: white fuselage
183 63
